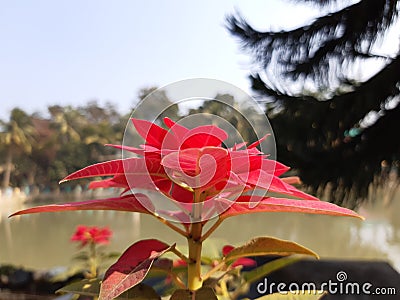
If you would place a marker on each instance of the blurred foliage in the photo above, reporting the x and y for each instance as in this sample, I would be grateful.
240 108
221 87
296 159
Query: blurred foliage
333 125
41 151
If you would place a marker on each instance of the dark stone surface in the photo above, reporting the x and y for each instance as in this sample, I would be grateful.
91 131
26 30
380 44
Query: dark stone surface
364 274
377 273
20 280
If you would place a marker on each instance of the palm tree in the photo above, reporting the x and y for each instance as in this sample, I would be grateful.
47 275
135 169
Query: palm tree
17 137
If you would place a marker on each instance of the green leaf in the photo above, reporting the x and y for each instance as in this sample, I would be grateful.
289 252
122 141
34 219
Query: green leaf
81 256
205 293
91 287
268 246
68 273
312 295
86 287
265 269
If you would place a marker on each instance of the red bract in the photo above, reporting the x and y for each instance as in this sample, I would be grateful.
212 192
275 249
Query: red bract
192 171
178 161
243 261
191 159
91 234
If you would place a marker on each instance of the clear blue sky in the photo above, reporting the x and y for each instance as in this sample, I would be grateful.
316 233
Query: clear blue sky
69 52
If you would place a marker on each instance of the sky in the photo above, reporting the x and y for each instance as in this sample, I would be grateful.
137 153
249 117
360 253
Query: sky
71 52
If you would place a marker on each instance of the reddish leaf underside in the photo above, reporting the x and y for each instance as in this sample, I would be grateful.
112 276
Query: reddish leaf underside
108 168
271 204
116 167
127 203
118 181
131 268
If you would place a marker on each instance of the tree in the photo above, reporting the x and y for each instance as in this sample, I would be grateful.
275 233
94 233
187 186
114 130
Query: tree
155 99
16 137
81 135
230 112
327 131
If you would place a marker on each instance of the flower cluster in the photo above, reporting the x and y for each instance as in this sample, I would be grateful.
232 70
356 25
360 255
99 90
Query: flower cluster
91 235
179 162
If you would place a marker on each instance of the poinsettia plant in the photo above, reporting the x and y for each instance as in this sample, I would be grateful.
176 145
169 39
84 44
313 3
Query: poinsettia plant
90 240
194 183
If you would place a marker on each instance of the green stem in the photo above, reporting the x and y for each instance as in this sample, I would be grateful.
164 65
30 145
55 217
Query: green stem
215 269
172 226
211 230
195 245
180 254
93 260
194 265
177 280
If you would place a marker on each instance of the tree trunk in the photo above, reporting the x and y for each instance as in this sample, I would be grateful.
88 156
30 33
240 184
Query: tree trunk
8 168
32 175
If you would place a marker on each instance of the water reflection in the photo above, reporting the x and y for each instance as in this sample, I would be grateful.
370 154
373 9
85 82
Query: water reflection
42 240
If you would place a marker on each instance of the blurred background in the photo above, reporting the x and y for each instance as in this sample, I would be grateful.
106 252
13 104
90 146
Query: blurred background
325 73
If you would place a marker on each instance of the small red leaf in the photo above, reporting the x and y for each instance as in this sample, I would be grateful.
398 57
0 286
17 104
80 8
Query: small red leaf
152 133
126 203
131 268
256 143
198 167
204 136
177 130
127 148
118 181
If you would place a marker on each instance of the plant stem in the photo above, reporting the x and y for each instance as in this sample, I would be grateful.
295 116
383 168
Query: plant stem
172 226
93 260
180 254
195 244
194 265
177 280
213 270
212 229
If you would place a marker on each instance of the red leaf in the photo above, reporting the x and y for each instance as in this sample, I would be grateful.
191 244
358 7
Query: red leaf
204 136
262 179
291 180
118 181
198 167
131 268
130 172
127 148
271 204
126 203
245 262
144 149
297 193
279 168
176 134
107 168
152 133
245 161
256 143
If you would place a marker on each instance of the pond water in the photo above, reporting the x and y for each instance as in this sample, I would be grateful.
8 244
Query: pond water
42 240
